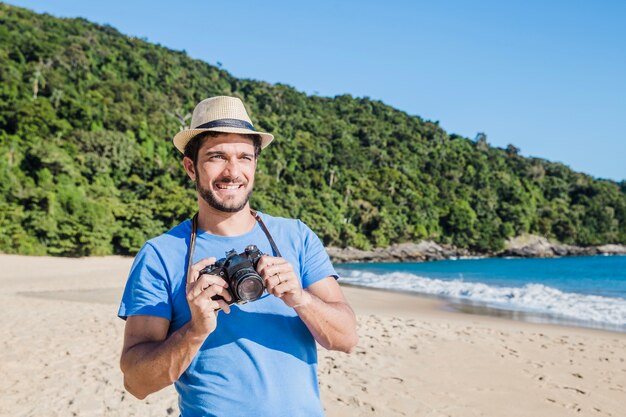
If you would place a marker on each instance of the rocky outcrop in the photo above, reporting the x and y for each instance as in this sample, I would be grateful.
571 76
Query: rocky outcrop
533 246
525 246
528 246
611 249
425 250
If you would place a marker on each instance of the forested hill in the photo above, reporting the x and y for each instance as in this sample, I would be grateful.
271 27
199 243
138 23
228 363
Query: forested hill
87 165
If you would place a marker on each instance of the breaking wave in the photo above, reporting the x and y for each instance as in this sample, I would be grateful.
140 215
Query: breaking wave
534 298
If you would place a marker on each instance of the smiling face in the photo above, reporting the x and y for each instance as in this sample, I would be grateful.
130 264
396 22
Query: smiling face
224 171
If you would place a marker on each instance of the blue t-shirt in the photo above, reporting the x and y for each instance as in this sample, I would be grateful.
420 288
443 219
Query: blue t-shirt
261 360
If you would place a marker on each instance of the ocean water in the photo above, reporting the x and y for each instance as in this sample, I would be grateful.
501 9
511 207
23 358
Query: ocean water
587 291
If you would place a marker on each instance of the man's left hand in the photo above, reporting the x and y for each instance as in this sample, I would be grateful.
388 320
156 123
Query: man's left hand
281 280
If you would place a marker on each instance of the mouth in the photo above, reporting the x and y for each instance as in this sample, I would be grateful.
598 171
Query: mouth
228 187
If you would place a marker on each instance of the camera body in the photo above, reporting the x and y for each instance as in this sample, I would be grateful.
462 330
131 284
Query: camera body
239 271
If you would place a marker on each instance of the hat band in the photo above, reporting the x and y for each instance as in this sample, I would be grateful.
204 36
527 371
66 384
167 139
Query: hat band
226 123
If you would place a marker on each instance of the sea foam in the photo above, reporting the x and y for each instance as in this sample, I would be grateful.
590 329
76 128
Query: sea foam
534 298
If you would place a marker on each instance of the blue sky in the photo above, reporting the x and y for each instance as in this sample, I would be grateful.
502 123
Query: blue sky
547 76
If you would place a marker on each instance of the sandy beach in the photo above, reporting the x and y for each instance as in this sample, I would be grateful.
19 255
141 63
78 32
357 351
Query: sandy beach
61 341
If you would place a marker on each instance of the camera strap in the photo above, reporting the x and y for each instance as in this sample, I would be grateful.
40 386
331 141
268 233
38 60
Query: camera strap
194 232
267 232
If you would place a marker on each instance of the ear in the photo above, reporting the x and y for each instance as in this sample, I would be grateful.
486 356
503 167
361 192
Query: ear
190 168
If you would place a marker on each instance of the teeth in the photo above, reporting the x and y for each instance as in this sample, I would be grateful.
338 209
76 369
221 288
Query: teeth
228 187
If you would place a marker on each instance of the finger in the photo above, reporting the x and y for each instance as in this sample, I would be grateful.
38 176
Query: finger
203 263
205 283
195 268
283 274
275 291
284 287
264 261
221 292
286 282
267 261
214 306
224 306
282 269
217 305
225 294
271 282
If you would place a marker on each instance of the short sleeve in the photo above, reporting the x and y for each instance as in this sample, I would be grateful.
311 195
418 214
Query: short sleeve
147 291
314 261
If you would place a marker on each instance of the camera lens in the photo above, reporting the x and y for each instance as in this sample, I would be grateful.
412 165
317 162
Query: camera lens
250 287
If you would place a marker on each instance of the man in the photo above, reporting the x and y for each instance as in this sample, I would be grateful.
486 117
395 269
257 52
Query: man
259 358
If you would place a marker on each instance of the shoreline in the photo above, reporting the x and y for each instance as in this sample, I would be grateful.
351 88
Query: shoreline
460 306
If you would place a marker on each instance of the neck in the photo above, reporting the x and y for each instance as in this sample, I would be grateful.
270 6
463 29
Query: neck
223 223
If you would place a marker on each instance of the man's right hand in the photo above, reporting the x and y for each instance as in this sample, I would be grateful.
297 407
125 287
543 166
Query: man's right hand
152 358
200 289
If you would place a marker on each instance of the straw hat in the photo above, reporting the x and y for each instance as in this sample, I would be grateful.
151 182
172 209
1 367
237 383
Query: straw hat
219 114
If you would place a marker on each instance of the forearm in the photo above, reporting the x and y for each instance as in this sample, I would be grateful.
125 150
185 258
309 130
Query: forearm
151 366
332 324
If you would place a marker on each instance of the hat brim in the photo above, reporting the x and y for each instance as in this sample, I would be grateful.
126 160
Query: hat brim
184 136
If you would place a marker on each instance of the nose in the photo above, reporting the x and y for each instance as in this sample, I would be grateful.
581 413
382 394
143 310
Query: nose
232 168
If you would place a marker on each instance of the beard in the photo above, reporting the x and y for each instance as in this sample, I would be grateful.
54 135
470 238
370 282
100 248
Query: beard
229 206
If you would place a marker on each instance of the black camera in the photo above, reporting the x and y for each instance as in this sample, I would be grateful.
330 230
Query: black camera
239 271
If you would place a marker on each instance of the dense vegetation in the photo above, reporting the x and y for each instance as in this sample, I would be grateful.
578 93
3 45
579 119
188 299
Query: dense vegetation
87 166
